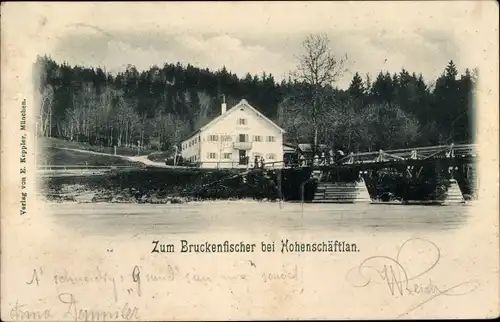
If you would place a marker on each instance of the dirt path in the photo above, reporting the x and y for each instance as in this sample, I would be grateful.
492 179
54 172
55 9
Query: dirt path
144 159
140 158
90 152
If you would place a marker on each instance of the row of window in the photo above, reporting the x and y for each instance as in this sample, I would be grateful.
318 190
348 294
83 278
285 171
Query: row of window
241 138
268 156
229 138
229 156
226 156
190 143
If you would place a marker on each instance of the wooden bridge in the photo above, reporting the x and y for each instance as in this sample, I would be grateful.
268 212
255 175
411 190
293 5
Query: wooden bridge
459 153
344 178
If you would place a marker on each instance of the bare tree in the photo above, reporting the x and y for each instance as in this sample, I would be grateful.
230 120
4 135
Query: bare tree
204 101
45 113
318 68
292 117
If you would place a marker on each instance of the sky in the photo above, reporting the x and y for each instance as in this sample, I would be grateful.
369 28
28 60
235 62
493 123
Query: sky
258 36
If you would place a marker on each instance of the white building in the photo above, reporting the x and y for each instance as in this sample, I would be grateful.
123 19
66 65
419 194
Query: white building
234 139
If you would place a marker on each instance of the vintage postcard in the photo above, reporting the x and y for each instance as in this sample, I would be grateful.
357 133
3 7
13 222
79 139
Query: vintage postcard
249 160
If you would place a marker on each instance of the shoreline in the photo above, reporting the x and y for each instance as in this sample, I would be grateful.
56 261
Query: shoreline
170 200
253 201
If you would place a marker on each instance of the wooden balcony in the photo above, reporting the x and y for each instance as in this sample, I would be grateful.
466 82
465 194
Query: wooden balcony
242 145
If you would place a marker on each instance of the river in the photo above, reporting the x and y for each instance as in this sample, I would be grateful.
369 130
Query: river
254 217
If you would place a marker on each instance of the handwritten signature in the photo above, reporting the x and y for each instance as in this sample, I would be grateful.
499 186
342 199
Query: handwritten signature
400 281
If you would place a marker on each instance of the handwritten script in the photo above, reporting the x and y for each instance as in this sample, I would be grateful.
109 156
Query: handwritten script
68 297
69 306
400 278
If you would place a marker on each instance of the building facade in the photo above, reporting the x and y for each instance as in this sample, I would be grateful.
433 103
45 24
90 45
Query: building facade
234 139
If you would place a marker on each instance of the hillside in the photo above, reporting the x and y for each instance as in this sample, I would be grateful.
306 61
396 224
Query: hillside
59 152
60 143
57 156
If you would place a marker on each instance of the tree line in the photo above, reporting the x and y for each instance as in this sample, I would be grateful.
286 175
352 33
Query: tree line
160 106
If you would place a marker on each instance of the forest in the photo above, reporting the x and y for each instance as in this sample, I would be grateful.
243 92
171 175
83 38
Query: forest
159 107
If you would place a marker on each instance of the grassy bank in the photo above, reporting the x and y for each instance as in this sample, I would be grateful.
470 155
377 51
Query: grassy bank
57 156
58 143
157 185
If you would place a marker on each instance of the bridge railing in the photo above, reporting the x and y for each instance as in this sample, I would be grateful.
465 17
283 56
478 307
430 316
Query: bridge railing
411 153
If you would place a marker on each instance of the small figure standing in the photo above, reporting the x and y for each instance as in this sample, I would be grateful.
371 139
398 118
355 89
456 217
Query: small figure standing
262 162
256 162
323 158
302 162
316 160
331 157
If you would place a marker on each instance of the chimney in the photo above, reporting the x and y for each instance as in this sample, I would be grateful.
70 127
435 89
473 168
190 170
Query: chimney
224 105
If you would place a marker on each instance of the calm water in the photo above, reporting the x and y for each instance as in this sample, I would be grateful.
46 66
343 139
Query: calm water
254 217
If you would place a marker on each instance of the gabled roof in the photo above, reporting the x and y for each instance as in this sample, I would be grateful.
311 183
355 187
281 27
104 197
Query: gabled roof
289 147
242 103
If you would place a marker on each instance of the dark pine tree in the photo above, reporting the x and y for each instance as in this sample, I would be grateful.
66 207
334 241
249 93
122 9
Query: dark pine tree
357 91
